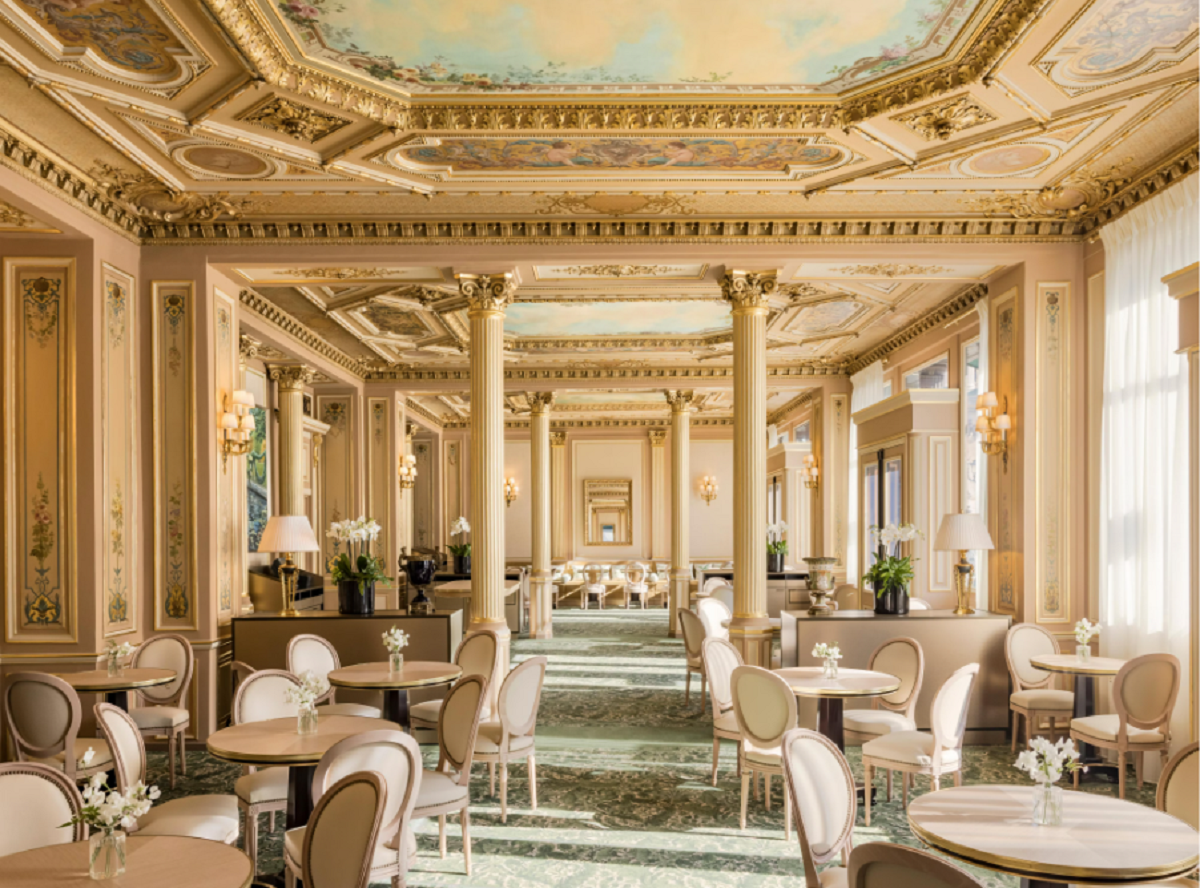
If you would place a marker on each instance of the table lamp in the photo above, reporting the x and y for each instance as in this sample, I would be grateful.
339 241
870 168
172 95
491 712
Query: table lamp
963 533
288 534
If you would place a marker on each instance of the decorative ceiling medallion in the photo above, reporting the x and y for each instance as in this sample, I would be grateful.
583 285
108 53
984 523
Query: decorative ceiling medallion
14 219
892 270
143 196
625 272
1077 195
618 204
943 119
281 115
231 163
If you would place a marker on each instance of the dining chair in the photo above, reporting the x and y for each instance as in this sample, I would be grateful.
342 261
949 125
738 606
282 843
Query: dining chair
163 711
847 597
43 715
919 604
212 817
883 865
37 803
477 654
817 779
765 707
312 653
1143 695
593 586
636 587
916 752
511 737
1034 698
337 847
693 637
720 658
715 616
1178 786
446 788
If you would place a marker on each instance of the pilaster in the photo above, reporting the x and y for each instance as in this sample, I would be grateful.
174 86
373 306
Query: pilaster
540 587
560 531
291 380
681 566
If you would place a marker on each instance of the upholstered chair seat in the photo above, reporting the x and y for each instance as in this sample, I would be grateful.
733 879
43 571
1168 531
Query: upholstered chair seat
884 865
265 786
1044 699
43 716
766 710
101 755
910 748
511 737
488 741
439 789
477 654
1108 727
726 722
161 710
769 756
358 710
382 858
1034 700
877 722
159 717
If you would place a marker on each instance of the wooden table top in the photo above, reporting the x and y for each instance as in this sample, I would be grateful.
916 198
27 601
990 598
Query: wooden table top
415 674
1101 837
462 589
808 681
100 680
275 741
1071 664
150 862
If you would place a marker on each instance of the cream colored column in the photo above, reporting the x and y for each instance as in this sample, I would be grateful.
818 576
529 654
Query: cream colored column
406 501
487 296
750 631
539 582
291 380
560 550
658 493
681 527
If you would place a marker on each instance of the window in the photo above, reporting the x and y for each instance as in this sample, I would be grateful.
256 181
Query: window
887 389
608 533
932 375
892 487
870 516
971 450
802 434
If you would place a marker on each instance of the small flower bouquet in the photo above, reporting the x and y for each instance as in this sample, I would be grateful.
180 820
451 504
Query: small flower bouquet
460 551
107 814
1046 763
777 547
357 564
1084 631
395 640
890 572
312 688
117 654
830 654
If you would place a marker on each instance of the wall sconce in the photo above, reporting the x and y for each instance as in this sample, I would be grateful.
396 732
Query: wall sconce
236 426
708 489
510 491
408 471
810 473
992 426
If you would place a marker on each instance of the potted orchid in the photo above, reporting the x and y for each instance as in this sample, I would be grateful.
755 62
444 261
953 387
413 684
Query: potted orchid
829 654
1084 631
890 575
108 814
1046 762
395 640
777 546
116 655
305 695
461 551
357 569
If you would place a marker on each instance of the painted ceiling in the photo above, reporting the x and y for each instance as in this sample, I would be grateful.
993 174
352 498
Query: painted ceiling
673 318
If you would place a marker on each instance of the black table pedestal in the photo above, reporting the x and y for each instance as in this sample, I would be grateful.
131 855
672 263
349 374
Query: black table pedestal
829 720
395 707
1098 769
119 699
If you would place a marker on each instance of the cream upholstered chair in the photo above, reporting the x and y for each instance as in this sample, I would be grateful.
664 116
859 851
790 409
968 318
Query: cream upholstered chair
1143 695
636 585
163 710
43 720
396 757
511 737
882 865
915 752
212 817
715 616
312 653
593 587
847 597
342 834
1034 698
817 779
905 659
919 604
693 637
477 654
1177 786
446 789
766 710
720 659
37 803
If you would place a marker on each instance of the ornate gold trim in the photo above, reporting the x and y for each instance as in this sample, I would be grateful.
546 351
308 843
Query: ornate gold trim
279 114
662 422
412 406
951 308
273 314
774 417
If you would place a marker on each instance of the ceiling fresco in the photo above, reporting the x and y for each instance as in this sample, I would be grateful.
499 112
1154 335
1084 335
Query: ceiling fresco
673 317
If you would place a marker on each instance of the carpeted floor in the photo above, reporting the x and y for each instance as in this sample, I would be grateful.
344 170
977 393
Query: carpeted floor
623 781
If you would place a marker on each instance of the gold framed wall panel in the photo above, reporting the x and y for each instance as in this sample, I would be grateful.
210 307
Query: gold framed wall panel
837 474
172 306
381 474
453 473
230 474
118 432
1005 562
337 459
1052 432
40 517
941 470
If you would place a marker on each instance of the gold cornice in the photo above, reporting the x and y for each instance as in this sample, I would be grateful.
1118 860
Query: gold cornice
572 374
663 423
1177 167
273 314
795 403
412 406
947 311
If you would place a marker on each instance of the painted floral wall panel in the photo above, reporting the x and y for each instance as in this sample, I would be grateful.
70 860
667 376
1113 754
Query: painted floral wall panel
173 306
39 450
1006 557
383 476
337 455
1052 432
230 540
118 424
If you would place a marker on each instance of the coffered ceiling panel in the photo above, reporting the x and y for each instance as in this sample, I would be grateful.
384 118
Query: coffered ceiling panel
619 272
335 274
667 318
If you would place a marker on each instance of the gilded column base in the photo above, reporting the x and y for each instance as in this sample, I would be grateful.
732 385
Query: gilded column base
679 598
752 636
541 596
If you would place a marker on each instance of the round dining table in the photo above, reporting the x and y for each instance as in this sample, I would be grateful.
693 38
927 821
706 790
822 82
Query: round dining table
150 862
831 693
115 687
1101 839
395 685
1086 672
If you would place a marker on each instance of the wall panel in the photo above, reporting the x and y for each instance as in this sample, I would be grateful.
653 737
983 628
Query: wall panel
381 475
1005 563
337 457
1052 432
231 477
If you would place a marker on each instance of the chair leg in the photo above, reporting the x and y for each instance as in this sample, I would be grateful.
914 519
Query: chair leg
889 784
492 779
746 772
1137 767
867 793
504 792
1075 779
958 778
532 783
716 756
1016 724
250 838
465 818
171 756
1120 773
687 689
703 689
787 816
183 751
271 820
767 789
904 781
442 836
935 782
756 778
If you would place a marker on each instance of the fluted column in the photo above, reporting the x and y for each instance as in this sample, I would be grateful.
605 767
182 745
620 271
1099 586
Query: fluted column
750 630
487 297
681 557
539 582
291 380
559 530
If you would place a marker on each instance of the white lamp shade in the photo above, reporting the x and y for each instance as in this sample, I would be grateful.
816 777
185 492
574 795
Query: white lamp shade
963 532
1003 422
288 533
981 424
248 424
987 399
229 421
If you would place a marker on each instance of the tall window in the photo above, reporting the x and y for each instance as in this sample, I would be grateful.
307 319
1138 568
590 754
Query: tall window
933 374
870 518
802 434
974 482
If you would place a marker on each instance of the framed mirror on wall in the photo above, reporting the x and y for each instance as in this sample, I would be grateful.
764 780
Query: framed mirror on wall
608 509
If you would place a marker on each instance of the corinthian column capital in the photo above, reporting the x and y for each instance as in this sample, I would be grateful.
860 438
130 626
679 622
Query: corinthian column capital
558 439
486 293
658 437
680 401
539 402
292 377
749 291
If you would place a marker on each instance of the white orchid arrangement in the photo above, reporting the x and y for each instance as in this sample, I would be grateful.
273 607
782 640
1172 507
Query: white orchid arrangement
85 760
1046 762
890 571
824 651
776 544
312 688
395 640
108 810
460 527
120 651
1085 631
356 563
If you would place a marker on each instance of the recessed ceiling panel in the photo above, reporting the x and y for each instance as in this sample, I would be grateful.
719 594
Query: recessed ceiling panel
674 317
867 270
585 399
340 274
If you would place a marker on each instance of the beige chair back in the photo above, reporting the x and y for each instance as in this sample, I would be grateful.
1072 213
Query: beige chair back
37 803
764 705
693 633
723 594
635 573
260 696
847 597
823 795
312 653
882 865
919 604
520 696
43 717
1023 642
339 842
125 741
720 659
905 659
166 652
1144 691
1178 786
713 583
393 755
712 613
477 653
458 724
593 573
948 716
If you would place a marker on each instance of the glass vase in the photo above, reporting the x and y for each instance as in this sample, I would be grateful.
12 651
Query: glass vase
395 661
306 720
106 854
831 669
116 666
1083 652
1047 805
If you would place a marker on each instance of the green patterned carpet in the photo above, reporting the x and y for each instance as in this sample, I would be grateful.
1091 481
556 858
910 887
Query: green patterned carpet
623 781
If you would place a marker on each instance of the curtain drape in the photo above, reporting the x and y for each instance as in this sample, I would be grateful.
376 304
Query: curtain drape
1143 582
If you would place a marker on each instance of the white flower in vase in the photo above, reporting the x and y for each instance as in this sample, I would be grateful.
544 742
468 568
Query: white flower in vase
312 687
1046 763
825 651
395 640
1085 631
460 526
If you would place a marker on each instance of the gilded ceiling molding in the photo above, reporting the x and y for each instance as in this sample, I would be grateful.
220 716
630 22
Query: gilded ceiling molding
576 373
749 290
801 400
487 292
413 406
293 377
945 312
1179 167
1077 195
149 200
683 343
12 217
703 422
943 119
276 316
281 115
617 204
891 270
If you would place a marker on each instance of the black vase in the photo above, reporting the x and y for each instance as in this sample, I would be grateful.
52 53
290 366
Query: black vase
352 601
774 562
894 601
420 574
462 564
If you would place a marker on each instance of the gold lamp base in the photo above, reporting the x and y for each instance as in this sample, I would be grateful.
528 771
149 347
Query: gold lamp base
287 574
964 584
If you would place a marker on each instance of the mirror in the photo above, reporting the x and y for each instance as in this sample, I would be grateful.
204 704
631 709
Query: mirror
608 505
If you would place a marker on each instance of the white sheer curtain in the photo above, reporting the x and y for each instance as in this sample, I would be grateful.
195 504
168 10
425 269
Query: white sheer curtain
866 389
1143 448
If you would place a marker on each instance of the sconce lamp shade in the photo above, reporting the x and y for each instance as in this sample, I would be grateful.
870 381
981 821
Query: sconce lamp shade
963 532
987 399
1002 422
288 533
